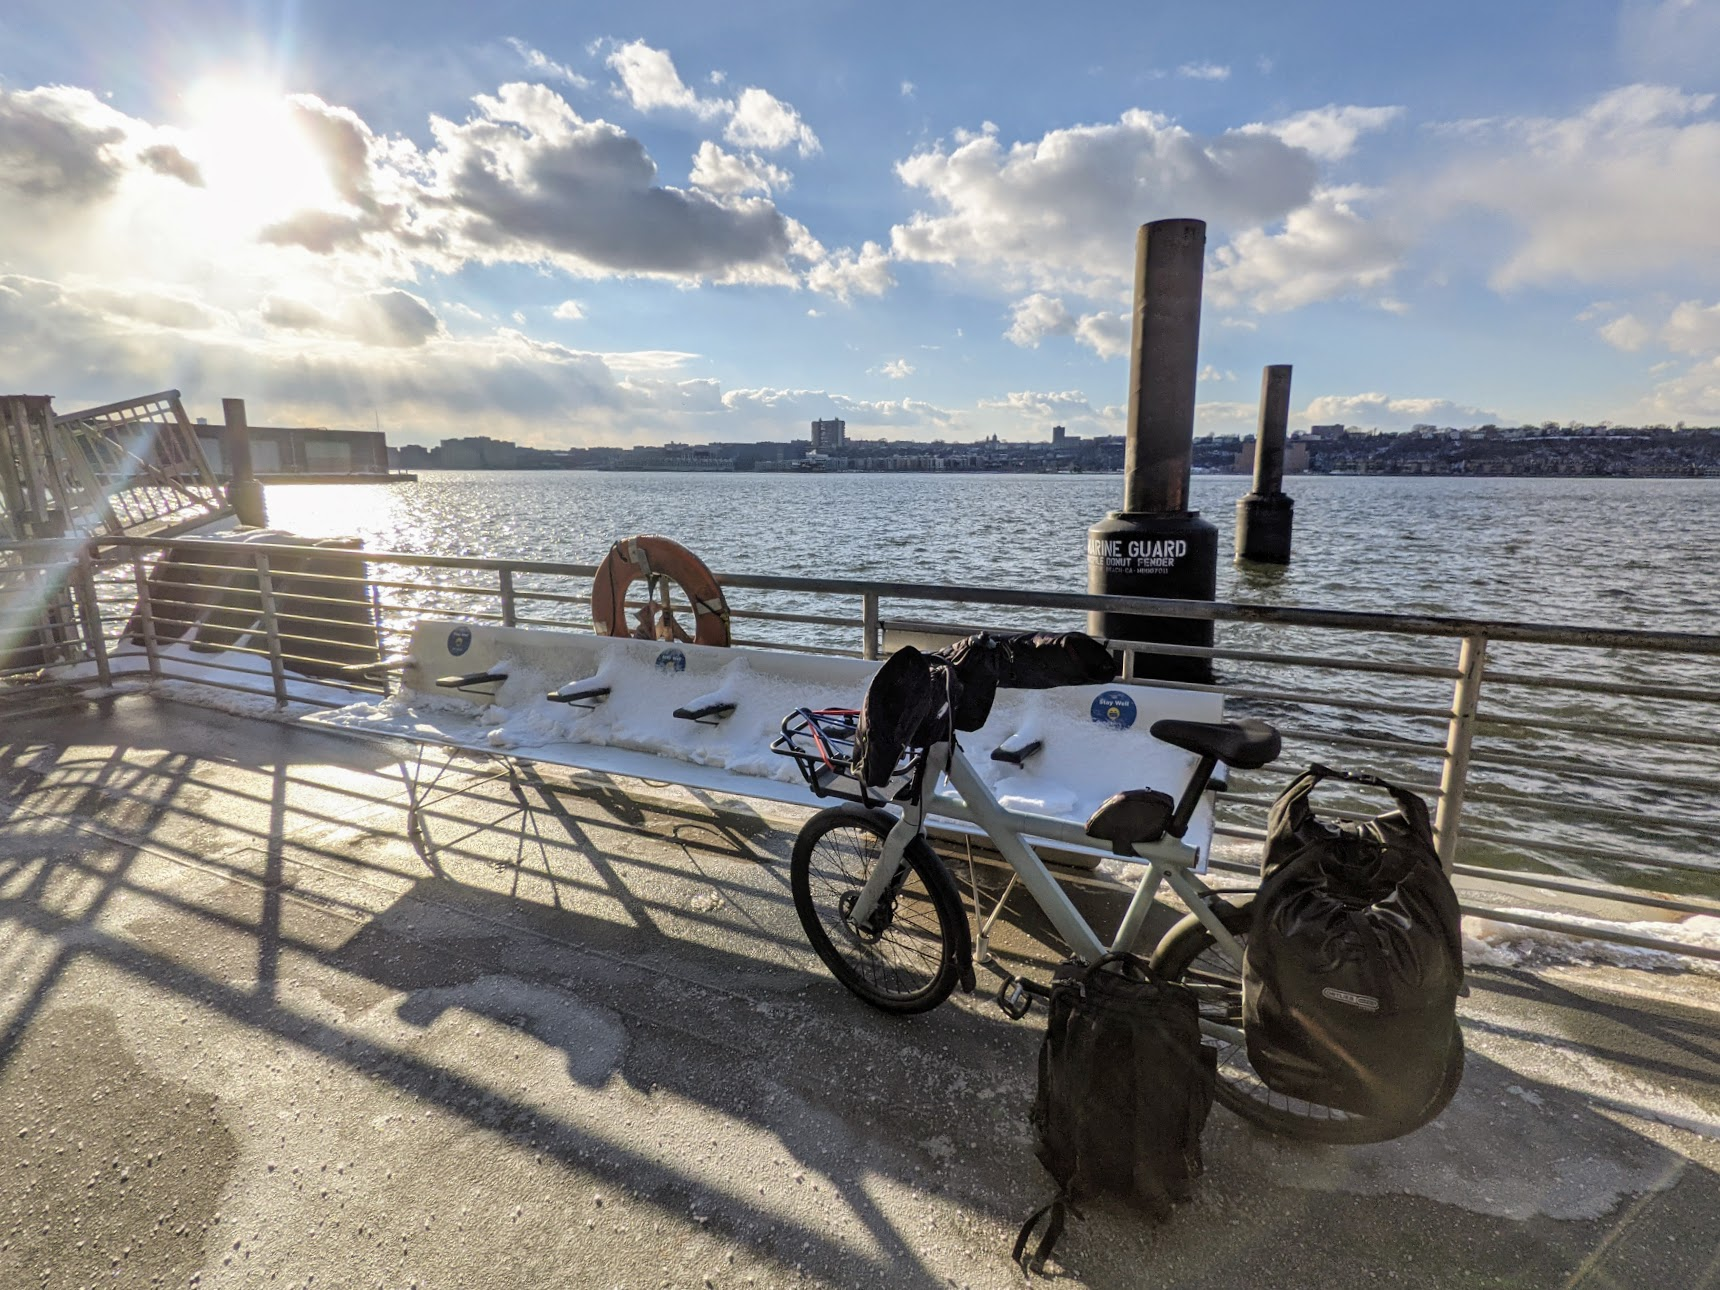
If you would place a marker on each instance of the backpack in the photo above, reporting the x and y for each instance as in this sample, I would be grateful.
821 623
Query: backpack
1125 1085
1354 961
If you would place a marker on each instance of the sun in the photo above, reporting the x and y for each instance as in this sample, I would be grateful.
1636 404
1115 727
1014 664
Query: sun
258 163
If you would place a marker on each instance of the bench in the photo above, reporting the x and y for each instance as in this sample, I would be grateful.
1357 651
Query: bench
704 717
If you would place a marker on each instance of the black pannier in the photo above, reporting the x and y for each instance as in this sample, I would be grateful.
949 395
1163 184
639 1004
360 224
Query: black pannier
1354 961
916 699
1125 1085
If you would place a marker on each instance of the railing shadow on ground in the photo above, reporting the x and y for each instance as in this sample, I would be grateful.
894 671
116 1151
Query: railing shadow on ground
302 843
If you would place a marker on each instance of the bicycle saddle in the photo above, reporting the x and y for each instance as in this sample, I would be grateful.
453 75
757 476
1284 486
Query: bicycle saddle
1243 745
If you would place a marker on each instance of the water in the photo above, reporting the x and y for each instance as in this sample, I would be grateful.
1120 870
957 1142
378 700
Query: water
1595 552
1615 553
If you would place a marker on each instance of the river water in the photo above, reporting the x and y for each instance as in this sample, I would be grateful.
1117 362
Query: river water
1592 552
1604 552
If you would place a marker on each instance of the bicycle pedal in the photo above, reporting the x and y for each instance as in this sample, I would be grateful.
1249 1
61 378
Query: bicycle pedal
1014 999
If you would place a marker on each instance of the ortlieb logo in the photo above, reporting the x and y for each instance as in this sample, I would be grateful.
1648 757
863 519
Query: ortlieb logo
1366 1002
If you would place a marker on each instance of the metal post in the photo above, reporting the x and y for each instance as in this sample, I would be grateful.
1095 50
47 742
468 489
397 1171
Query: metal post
94 635
506 578
869 625
1460 732
271 629
1164 362
146 616
244 493
1265 517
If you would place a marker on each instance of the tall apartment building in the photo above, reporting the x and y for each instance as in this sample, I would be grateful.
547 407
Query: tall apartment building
829 436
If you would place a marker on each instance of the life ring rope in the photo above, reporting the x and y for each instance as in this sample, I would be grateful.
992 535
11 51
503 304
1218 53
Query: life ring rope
659 561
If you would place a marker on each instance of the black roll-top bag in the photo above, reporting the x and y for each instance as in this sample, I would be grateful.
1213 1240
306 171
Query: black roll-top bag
1354 961
1125 1086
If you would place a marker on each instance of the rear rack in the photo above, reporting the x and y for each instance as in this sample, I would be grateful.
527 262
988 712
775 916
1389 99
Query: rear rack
821 742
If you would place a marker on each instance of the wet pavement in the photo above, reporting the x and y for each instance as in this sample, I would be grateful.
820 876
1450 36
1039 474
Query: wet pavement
256 1031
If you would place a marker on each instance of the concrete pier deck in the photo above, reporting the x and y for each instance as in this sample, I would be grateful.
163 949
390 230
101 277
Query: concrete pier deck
252 1033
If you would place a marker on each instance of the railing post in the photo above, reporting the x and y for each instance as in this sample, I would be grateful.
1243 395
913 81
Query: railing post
271 629
146 616
869 625
1459 733
507 580
94 636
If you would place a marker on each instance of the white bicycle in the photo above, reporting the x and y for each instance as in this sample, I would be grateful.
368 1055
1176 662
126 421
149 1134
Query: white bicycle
885 915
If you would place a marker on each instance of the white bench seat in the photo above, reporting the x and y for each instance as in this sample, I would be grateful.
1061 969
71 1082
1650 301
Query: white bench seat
1093 740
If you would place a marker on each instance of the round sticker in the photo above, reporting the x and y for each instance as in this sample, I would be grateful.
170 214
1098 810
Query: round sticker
459 641
671 660
1115 709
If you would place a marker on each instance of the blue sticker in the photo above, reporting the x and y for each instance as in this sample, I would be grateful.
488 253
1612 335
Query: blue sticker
671 660
1115 709
459 641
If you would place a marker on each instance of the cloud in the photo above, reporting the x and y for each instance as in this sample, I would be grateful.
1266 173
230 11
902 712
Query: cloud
649 81
1329 133
1204 72
847 273
166 159
727 175
907 89
1382 412
1037 316
1626 333
391 318
1059 213
59 144
897 369
542 63
1692 328
1211 373
1626 189
761 120
568 311
1324 250
796 408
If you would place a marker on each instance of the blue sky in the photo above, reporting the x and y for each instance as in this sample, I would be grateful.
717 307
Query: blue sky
605 223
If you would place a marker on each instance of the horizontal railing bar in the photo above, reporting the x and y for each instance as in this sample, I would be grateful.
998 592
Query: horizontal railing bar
1580 932
1561 767
1554 805
1306 700
1630 689
1611 730
1608 892
1572 851
769 616
1408 746
1335 619
1339 663
796 649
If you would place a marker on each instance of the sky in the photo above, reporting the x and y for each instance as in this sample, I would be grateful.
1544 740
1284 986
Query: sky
594 223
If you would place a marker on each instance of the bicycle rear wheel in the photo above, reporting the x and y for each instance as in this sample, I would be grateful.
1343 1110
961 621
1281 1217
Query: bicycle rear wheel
906 958
1190 954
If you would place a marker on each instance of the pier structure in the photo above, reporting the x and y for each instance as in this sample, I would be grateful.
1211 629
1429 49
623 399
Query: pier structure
1265 517
1156 546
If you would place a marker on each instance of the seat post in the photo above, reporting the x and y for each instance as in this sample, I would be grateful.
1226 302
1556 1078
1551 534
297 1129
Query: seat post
1191 797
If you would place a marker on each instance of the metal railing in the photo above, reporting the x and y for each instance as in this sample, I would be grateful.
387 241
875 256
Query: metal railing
1561 759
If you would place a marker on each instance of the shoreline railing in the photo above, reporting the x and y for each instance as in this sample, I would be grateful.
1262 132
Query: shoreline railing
1573 760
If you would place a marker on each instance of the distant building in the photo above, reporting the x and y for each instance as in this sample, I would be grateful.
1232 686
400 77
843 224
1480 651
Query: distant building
829 436
1058 435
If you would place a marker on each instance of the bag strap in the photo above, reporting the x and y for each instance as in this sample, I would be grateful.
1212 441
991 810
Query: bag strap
1057 1207
1413 808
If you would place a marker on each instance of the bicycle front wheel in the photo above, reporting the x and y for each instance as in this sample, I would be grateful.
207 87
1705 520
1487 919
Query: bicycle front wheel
1191 954
902 959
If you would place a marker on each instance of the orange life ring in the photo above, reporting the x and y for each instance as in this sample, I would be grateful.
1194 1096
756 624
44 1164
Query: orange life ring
659 561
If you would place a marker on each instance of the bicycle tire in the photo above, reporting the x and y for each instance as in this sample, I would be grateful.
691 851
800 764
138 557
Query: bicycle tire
1189 953
912 962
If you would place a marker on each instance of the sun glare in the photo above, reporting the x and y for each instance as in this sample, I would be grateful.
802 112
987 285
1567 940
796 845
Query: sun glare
258 164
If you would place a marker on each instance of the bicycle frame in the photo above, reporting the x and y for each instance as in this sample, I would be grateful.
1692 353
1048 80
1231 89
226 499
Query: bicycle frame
1169 862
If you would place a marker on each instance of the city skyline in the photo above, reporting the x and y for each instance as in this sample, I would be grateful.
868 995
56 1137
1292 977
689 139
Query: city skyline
642 224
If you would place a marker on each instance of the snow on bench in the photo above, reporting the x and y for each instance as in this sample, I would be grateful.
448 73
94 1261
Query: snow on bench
704 718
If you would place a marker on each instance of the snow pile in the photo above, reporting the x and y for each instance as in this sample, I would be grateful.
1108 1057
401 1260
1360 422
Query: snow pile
198 676
1489 942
